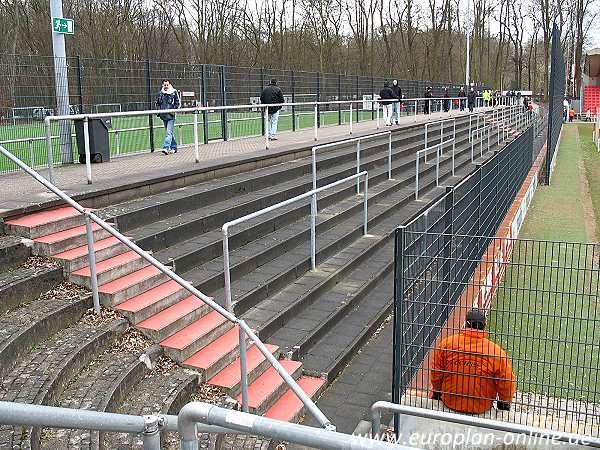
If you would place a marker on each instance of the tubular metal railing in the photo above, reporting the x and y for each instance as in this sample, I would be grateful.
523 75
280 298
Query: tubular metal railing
244 329
463 419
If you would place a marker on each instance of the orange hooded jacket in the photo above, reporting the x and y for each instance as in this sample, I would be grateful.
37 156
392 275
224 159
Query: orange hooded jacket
470 371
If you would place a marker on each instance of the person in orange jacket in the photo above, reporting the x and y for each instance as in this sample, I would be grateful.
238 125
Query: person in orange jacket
470 372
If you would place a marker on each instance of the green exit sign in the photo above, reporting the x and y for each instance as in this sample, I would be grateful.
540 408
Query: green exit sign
62 25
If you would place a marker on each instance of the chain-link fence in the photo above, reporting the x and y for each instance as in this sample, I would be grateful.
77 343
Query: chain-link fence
28 95
556 111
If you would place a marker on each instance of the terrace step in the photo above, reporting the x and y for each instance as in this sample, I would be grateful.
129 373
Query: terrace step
13 252
289 407
68 239
229 379
195 336
24 284
269 386
77 258
130 285
110 269
152 301
44 222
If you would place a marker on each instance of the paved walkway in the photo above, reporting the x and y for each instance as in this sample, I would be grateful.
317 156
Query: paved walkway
20 191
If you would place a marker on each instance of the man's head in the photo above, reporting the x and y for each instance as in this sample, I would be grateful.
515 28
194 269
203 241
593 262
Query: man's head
273 82
166 84
476 319
386 83
395 82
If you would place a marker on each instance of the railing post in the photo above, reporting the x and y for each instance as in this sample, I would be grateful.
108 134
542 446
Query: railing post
79 85
377 123
358 166
453 143
149 93
196 146
86 146
92 262
437 164
226 270
398 322
223 102
339 97
351 117
313 232
31 155
416 106
118 139
390 155
417 178
316 122
366 204
265 121
243 369
151 434
204 103
318 99
293 79
49 155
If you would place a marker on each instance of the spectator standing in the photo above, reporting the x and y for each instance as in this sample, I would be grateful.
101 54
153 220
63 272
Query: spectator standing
396 105
471 99
168 98
462 94
571 114
272 95
470 371
566 108
386 99
446 100
428 95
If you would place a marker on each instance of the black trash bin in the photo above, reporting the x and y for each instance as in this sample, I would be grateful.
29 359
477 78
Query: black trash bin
98 136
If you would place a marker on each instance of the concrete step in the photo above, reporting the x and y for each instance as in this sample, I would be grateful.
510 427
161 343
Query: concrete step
213 358
229 379
110 269
13 252
172 319
289 408
195 336
77 258
68 239
24 284
268 387
152 301
130 285
44 222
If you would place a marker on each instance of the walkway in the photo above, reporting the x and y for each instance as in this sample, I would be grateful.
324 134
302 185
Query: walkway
21 192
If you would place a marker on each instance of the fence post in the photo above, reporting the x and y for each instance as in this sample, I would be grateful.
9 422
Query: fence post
150 118
357 95
204 103
373 98
318 99
293 79
262 86
151 434
223 103
339 97
398 344
79 85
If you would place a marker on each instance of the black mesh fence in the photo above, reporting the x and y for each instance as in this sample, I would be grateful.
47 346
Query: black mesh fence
436 254
556 111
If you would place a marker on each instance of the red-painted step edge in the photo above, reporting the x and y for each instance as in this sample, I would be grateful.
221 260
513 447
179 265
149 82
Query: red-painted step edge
230 376
216 350
289 404
45 217
128 280
83 250
194 331
108 264
65 234
169 315
149 297
268 382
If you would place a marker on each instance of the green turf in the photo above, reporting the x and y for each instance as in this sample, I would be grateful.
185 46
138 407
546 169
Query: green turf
541 314
125 142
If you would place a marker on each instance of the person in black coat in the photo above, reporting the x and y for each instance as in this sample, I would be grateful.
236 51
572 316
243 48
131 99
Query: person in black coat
471 99
272 95
428 94
386 99
462 94
396 105
446 100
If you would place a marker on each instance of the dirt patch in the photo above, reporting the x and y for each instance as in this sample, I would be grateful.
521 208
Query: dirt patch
586 199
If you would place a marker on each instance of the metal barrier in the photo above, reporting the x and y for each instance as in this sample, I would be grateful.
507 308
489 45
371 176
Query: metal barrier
441 123
358 140
570 438
243 327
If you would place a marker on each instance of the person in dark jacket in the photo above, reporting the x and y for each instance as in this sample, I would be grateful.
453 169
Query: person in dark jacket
462 94
386 99
428 94
446 100
168 98
396 105
272 95
471 99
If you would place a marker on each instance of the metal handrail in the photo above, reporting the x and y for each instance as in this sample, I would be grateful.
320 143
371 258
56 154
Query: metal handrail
244 328
463 419
441 122
438 154
313 260
348 141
